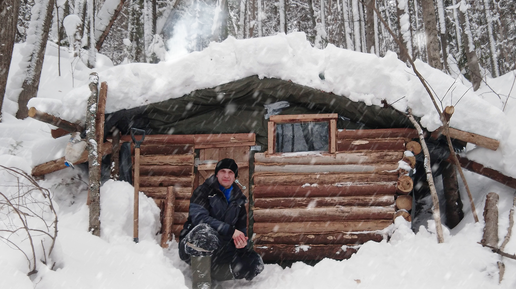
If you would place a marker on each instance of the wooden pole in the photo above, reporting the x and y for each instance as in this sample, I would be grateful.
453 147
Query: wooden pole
430 179
490 235
93 153
168 218
54 120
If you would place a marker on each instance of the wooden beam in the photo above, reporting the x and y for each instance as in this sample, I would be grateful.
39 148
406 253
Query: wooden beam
328 214
168 217
321 190
328 238
352 168
329 159
319 202
470 137
165 181
391 144
377 133
59 164
321 227
487 172
271 138
161 192
332 139
303 118
171 160
54 120
321 178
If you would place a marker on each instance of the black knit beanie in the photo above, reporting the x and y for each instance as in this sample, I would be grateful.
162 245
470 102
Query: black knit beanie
227 164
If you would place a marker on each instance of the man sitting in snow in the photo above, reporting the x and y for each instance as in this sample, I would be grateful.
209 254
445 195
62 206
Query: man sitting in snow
214 238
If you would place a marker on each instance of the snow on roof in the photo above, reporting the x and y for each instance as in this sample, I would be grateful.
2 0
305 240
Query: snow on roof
357 76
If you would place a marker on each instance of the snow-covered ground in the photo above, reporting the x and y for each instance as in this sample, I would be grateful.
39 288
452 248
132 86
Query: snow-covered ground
115 261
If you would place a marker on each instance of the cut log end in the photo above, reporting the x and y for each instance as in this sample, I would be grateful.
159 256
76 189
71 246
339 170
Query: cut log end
404 185
414 147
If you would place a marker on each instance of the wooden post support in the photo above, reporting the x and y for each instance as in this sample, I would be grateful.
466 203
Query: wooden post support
100 118
490 236
168 216
271 138
54 120
93 153
115 156
332 146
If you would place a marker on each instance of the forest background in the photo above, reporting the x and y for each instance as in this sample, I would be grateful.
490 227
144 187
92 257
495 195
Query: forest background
473 39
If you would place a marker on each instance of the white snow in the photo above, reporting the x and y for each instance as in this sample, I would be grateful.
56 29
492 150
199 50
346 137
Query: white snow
114 261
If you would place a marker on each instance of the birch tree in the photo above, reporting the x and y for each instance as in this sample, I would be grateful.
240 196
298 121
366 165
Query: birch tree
282 17
469 48
492 42
34 53
432 41
370 27
356 26
9 13
347 24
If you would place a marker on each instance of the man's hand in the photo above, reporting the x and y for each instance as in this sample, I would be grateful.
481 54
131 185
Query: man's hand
240 239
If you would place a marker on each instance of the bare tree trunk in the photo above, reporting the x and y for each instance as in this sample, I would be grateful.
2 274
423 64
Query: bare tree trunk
105 31
490 236
492 42
469 48
9 13
356 25
443 34
282 16
432 42
41 22
454 213
260 18
91 35
399 15
370 34
347 23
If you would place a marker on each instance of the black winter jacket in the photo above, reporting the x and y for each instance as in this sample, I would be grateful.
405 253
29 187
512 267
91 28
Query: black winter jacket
209 205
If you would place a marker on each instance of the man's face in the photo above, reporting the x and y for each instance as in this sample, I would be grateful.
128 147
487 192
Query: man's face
226 177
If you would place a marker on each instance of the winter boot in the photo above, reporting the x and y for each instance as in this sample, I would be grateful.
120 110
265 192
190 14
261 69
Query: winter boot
201 272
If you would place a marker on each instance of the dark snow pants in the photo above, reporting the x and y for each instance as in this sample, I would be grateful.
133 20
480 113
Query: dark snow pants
203 240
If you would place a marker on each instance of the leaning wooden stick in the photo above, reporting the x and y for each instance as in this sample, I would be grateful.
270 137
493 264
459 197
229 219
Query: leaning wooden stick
430 179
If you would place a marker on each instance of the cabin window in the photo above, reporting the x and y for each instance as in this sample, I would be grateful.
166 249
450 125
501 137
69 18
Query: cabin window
301 133
301 137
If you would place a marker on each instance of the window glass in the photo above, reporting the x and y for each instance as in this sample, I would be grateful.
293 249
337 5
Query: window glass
300 137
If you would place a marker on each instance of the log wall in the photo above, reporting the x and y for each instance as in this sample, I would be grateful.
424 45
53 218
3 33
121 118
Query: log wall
310 206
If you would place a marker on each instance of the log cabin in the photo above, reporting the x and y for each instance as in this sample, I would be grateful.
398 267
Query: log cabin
323 174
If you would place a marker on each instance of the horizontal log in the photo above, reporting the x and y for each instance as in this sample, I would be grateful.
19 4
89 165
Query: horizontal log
54 120
351 189
180 217
321 227
165 181
328 159
165 149
378 133
329 214
161 192
224 138
224 145
172 160
182 205
211 166
59 164
317 202
322 178
470 137
394 144
165 170
163 139
303 118
487 172
285 252
330 238
353 168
